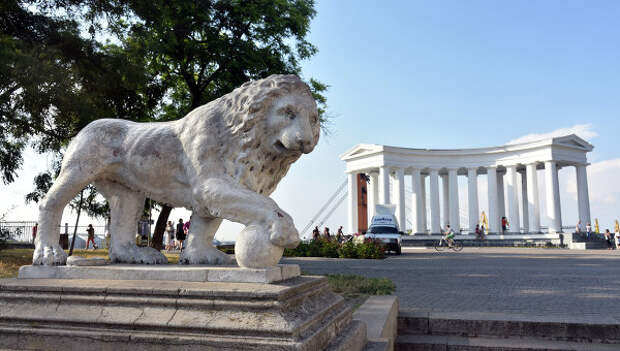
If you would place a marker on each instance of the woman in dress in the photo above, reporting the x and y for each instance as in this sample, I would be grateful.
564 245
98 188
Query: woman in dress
170 231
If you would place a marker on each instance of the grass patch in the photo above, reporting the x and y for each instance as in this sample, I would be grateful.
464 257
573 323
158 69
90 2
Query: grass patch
12 259
351 286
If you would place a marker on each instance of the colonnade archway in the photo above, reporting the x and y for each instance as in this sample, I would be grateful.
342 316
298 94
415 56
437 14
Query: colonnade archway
511 172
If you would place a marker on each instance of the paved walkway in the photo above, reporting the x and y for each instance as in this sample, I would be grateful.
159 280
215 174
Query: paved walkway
530 281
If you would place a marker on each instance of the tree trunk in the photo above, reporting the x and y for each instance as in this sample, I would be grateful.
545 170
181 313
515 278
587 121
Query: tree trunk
158 235
77 220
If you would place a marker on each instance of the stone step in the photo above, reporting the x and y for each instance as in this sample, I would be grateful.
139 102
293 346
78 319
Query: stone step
64 314
460 343
588 245
504 325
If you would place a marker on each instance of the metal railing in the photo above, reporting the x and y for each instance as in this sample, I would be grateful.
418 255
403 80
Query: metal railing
21 232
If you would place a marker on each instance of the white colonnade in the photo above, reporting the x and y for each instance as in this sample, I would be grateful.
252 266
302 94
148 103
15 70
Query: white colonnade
512 184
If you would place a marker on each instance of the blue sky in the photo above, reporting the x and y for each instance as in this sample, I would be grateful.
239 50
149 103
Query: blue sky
455 74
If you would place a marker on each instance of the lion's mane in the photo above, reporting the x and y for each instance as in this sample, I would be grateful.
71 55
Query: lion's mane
243 114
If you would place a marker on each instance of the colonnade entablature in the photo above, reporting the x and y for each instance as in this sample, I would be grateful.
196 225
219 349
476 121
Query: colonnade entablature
511 172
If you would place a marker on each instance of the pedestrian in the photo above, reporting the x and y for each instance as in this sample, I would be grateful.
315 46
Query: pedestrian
180 233
504 224
326 233
588 231
339 235
608 239
170 231
578 227
91 236
478 232
34 231
316 233
617 238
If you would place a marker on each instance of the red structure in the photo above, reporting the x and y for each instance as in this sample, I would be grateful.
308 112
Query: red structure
362 203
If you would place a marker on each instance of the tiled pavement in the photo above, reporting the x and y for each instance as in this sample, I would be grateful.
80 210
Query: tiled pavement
528 281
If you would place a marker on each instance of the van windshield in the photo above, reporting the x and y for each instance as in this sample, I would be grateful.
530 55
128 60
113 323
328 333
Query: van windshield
382 229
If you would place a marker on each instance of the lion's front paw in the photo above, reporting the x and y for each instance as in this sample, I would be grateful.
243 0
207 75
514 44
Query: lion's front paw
49 255
282 231
209 255
134 254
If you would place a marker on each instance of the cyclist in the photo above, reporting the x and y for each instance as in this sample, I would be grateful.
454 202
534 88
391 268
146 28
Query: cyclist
449 234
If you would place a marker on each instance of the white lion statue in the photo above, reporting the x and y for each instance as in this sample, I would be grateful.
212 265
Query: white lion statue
222 161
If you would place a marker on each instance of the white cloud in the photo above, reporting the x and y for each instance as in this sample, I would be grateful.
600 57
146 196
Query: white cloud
582 130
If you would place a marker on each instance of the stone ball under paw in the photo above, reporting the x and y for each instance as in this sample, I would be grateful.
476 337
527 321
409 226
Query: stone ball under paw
254 250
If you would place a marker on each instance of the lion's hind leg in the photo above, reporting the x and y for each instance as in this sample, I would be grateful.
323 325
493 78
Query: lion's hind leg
200 249
126 207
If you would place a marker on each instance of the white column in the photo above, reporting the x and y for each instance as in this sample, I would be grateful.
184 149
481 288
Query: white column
455 221
513 199
493 214
445 203
424 212
384 185
472 198
399 198
583 196
533 206
352 202
525 211
553 197
435 228
501 201
416 202
373 193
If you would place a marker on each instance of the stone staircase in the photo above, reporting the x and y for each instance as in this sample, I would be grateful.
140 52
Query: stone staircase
577 241
500 331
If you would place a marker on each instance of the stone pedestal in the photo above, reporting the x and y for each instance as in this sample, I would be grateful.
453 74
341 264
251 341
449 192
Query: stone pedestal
194 273
82 314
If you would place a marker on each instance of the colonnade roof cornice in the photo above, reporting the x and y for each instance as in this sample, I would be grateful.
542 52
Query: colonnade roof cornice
567 142
565 151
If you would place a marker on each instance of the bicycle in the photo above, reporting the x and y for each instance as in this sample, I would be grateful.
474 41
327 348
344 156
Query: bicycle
442 244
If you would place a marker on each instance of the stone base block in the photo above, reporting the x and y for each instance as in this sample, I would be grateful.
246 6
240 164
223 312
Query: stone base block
82 314
198 273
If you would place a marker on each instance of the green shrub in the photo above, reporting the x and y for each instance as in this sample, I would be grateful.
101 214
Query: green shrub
331 248
370 249
347 250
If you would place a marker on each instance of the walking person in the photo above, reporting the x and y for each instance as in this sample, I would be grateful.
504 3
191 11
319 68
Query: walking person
91 236
578 227
504 224
339 235
608 239
326 234
617 238
588 231
180 233
478 232
34 232
316 233
170 231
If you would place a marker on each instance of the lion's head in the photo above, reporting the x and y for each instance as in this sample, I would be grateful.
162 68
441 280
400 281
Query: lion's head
283 104
275 120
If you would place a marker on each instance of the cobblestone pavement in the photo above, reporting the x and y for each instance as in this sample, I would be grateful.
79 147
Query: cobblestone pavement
529 281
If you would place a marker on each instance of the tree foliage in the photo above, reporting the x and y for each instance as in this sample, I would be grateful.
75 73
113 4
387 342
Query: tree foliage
65 63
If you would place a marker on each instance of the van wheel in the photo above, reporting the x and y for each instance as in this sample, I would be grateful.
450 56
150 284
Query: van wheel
398 250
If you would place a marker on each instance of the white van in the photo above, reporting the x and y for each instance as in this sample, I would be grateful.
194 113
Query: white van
384 227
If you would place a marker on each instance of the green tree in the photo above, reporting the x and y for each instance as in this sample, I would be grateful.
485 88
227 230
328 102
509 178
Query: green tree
54 81
65 63
202 50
